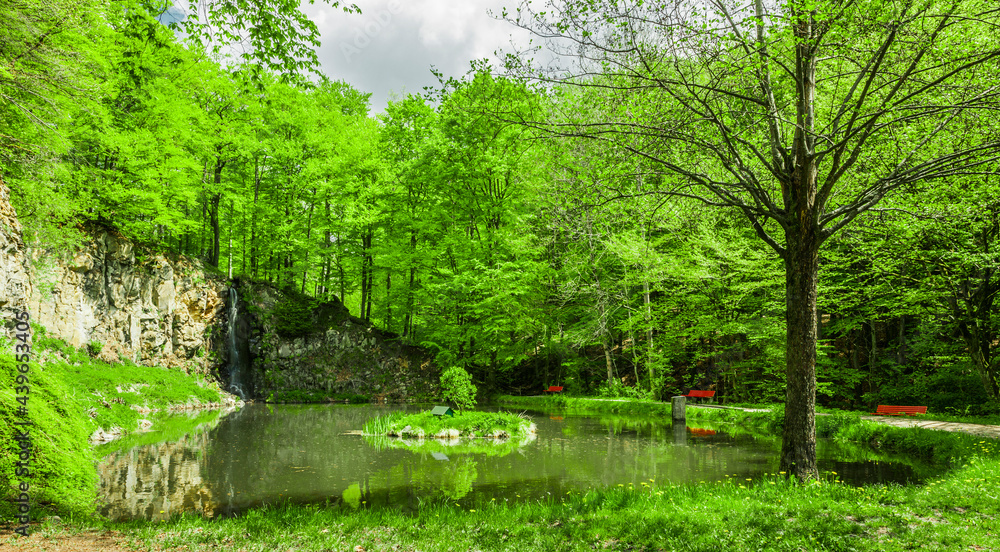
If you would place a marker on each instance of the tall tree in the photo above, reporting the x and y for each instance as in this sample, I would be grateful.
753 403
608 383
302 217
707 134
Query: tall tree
802 115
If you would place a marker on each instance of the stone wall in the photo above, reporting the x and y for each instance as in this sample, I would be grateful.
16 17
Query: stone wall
141 305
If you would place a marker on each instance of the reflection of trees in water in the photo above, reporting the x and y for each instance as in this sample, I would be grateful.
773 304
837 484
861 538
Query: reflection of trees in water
304 454
156 481
459 477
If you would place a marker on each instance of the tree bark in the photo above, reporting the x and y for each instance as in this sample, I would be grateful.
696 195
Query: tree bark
798 445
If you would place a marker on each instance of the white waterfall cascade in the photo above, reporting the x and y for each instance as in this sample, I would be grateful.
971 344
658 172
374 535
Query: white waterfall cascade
235 365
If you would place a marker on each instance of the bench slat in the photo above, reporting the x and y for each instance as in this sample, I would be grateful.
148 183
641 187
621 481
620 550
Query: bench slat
699 393
892 410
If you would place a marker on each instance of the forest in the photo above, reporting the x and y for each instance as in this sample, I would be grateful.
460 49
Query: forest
635 228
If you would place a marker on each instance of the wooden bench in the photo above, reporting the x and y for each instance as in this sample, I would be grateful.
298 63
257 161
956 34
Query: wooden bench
699 394
554 389
890 410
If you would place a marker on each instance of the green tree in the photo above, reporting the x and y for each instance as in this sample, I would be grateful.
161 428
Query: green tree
457 387
801 116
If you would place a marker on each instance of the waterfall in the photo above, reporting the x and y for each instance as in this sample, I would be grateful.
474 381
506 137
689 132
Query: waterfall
236 364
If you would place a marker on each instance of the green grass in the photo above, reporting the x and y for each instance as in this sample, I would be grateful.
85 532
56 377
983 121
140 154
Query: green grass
585 405
846 427
109 392
957 511
61 475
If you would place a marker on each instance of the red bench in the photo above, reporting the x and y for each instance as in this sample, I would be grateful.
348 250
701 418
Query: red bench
890 410
699 394
554 389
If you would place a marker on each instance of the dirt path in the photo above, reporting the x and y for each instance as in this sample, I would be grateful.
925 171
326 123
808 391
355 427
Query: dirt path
990 431
58 541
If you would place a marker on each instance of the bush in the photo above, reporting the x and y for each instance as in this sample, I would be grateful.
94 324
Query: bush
618 390
457 387
95 348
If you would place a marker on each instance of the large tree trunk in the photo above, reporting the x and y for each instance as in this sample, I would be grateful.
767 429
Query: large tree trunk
798 445
801 257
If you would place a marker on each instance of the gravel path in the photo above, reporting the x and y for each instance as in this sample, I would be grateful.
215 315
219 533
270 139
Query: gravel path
992 432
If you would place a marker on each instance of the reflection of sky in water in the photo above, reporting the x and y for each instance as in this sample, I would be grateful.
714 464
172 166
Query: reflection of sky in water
267 454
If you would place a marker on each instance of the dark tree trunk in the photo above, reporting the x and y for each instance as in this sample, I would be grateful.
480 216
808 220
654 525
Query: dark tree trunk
798 446
801 259
213 212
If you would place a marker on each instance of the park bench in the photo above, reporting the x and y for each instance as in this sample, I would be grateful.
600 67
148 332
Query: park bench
890 410
699 394
554 389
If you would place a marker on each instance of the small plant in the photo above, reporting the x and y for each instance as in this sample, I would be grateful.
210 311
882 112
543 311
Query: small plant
457 387
95 348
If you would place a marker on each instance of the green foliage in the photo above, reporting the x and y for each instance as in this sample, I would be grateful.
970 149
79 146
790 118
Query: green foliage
501 425
457 387
292 317
615 389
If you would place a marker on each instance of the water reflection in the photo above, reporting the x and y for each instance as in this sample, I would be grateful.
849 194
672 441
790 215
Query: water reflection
307 454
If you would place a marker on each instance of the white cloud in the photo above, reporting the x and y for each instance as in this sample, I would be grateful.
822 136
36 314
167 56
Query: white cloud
394 43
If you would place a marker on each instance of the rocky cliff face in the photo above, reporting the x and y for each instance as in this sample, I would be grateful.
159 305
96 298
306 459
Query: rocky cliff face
136 303
148 307
313 351
15 285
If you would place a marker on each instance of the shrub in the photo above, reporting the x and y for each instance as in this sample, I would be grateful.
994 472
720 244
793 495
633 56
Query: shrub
95 348
457 387
293 317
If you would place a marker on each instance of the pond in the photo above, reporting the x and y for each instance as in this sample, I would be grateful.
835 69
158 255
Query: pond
265 454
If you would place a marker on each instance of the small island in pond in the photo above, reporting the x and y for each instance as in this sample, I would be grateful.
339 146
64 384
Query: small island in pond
468 425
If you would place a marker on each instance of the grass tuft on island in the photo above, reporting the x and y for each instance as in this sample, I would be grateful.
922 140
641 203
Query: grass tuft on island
468 425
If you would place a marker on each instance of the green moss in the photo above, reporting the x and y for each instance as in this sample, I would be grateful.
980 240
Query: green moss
293 317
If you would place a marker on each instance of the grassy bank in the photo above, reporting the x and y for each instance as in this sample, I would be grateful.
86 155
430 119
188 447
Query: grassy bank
957 512
71 396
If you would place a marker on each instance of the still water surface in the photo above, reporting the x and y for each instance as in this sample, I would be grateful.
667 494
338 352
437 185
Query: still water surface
306 454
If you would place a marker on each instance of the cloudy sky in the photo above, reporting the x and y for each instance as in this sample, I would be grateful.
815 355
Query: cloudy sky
391 47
